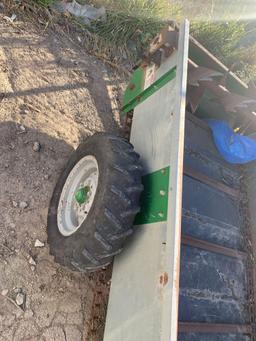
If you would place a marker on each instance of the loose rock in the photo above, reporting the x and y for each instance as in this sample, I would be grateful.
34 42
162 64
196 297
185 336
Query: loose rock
14 203
24 112
22 129
31 261
20 298
36 146
23 205
38 243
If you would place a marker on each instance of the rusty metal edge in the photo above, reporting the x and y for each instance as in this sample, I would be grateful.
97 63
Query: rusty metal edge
193 327
201 244
211 182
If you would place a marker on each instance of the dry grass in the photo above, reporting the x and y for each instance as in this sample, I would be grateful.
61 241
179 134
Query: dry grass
129 27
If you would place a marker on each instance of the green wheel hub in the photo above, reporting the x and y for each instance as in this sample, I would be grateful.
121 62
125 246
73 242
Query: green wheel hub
81 195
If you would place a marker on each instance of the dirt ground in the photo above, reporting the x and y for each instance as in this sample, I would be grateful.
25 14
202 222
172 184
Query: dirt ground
53 93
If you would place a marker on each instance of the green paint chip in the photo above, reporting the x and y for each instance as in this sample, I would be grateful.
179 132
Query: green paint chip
154 199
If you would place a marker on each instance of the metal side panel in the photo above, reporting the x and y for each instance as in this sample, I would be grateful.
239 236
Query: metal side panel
212 288
143 302
214 337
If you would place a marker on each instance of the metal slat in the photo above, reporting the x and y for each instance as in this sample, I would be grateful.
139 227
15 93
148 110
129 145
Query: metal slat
194 327
197 121
211 182
201 244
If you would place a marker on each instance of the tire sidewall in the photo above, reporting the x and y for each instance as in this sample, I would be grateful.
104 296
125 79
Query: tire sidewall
110 219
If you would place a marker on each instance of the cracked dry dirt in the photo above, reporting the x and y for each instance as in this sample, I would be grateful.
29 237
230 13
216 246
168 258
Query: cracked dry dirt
52 93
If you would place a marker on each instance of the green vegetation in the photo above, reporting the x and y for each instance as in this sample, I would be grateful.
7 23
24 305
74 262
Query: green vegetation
120 28
225 41
227 29
221 39
44 3
131 24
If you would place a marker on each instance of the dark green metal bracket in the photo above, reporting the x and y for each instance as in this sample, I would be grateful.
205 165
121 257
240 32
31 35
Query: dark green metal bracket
154 199
135 86
142 96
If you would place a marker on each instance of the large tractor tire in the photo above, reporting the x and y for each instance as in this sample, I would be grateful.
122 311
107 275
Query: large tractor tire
94 203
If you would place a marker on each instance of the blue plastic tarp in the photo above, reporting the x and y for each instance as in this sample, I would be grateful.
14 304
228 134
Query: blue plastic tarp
234 148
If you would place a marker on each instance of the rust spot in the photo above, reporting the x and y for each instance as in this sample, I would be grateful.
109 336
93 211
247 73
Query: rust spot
132 86
164 279
145 63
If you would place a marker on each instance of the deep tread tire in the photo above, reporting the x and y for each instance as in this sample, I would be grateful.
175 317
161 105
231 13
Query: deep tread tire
110 220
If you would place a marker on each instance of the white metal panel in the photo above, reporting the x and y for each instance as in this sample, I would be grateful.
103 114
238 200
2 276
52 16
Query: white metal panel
153 74
135 304
143 303
152 123
168 64
173 233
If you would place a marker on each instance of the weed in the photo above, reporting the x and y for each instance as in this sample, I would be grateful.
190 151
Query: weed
132 24
44 3
224 40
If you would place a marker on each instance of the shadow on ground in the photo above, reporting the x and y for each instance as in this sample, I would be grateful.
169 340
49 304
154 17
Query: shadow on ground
59 305
66 64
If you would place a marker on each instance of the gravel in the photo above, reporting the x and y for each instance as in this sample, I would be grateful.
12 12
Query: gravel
59 106
38 243
20 298
36 146
31 261
23 205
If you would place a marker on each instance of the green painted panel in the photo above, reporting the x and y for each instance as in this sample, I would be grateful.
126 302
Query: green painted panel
154 199
135 86
158 84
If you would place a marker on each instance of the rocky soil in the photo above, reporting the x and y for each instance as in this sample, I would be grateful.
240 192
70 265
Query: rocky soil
52 96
